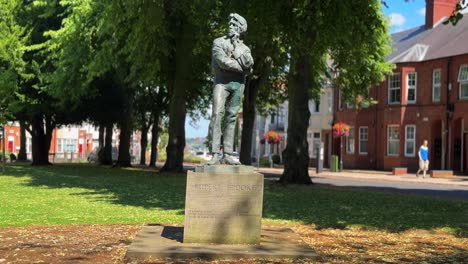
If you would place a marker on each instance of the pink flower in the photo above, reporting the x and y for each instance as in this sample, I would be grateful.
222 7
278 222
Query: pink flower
272 137
340 129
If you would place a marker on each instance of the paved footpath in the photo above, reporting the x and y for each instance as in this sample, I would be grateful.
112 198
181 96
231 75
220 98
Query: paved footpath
453 187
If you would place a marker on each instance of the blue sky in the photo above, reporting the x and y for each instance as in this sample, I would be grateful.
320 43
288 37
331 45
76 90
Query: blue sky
403 15
196 128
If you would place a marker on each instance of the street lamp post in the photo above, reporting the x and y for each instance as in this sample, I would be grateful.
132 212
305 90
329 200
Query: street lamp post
2 137
341 153
341 130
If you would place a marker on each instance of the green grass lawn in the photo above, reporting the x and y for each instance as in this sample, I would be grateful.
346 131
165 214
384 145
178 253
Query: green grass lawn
82 193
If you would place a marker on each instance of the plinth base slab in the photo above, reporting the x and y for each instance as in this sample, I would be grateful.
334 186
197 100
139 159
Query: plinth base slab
157 242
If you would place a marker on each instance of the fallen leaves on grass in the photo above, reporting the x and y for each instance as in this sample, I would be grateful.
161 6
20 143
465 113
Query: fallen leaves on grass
377 246
66 243
108 244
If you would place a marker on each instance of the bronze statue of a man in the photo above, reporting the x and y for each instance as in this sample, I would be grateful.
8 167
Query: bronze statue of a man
231 62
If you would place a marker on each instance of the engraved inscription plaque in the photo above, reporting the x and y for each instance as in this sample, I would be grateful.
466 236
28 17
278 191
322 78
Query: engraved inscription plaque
223 208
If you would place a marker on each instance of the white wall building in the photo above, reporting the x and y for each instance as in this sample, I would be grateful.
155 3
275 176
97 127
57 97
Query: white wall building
320 125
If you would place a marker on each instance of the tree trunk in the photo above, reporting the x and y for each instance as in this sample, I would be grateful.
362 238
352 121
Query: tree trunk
154 140
126 130
105 153
248 115
101 136
262 70
177 108
296 154
41 137
175 146
143 143
22 155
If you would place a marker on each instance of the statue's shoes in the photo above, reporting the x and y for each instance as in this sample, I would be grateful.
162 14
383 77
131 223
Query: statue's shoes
215 160
228 159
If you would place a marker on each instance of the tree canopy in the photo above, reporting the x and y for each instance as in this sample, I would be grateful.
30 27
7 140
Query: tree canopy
12 48
128 63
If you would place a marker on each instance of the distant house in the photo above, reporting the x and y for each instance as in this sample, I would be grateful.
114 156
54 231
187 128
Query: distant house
68 142
426 97
319 129
12 139
320 126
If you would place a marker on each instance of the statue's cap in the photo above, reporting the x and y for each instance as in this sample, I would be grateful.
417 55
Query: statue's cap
239 20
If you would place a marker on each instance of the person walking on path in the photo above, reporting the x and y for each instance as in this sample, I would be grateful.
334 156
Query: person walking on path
423 154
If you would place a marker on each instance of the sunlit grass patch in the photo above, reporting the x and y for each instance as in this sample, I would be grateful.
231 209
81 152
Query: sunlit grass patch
83 193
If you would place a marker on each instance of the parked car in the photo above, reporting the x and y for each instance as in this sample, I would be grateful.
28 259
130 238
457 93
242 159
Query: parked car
203 155
93 155
235 156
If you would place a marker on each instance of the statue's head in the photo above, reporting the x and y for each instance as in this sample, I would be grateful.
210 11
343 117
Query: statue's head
237 25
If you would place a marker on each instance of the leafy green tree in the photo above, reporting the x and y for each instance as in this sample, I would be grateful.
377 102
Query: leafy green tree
158 113
190 24
33 103
143 119
12 47
355 36
114 39
94 45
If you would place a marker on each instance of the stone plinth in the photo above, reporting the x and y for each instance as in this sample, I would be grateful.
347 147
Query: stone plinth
225 169
161 242
223 205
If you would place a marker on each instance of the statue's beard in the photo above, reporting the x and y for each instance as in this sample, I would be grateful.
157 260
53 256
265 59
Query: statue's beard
233 34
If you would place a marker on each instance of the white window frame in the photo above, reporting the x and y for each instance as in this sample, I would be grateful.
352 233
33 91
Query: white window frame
393 140
313 141
280 115
436 85
313 107
361 139
28 144
59 145
317 106
408 87
390 89
351 141
412 141
330 101
316 141
462 81
68 145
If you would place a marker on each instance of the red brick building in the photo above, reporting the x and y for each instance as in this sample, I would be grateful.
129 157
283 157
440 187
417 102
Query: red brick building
12 140
426 97
12 136
64 140
68 142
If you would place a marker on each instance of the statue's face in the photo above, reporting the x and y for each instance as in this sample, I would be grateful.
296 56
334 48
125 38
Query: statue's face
234 29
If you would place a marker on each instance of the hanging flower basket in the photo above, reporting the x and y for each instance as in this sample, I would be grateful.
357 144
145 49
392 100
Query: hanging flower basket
340 129
262 141
272 137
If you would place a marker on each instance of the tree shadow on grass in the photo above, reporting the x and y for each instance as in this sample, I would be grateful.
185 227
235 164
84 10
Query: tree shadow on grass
147 189
340 208
322 206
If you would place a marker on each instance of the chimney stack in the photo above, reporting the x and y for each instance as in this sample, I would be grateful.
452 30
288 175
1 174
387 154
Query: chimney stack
437 9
